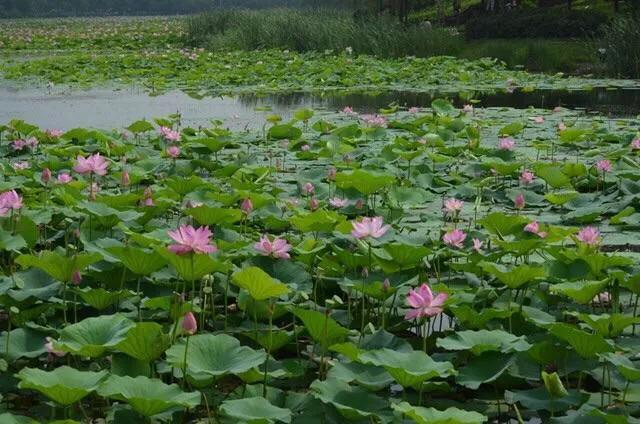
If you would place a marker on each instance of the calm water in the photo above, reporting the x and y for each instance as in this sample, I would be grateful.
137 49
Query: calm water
108 108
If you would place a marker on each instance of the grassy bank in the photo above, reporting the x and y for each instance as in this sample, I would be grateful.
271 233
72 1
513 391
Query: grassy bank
384 37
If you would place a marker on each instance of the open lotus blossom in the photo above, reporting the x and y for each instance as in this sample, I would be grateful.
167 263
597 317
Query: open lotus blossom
169 134
477 245
18 145
189 324
9 201
64 178
369 227
414 110
534 228
538 119
506 143
246 206
94 164
173 152
527 177
48 346
455 238
589 236
635 144
453 206
424 303
603 165
376 121
305 148
19 166
277 248
337 202
602 299
45 176
561 126
308 188
55 133
467 108
191 240
519 201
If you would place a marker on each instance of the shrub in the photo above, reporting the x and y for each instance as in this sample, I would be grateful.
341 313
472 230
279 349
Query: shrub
536 23
318 30
620 47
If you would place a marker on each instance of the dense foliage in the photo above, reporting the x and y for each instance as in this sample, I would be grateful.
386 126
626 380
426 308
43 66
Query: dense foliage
620 44
42 8
536 23
430 266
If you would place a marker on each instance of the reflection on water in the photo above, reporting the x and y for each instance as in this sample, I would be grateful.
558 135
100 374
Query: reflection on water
108 108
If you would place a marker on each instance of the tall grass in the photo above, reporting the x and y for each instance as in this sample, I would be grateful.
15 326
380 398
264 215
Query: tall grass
621 47
319 30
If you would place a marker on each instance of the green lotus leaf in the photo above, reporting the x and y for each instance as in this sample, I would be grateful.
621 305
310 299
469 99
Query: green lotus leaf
540 399
58 265
409 369
139 261
365 182
148 396
421 415
215 355
353 403
254 410
321 327
206 215
8 418
484 368
484 340
23 343
259 284
93 336
284 131
625 366
513 277
582 292
100 298
191 267
317 221
368 376
64 385
585 344
145 342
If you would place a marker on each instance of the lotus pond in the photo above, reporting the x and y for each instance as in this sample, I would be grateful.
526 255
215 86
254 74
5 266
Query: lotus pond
377 258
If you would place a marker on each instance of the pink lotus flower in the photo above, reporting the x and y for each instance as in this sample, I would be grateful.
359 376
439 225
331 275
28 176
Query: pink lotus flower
519 202
369 227
348 110
313 204
305 148
189 239
589 236
94 164
246 206
54 133
561 126
423 302
46 175
32 142
18 145
603 298
413 110
534 228
455 238
64 178
125 180
603 165
527 177
173 151
9 201
337 202
169 134
76 278
557 109
359 204
51 349
278 248
375 121
308 188
453 206
635 144
477 245
467 108
189 324
506 143
19 166
538 119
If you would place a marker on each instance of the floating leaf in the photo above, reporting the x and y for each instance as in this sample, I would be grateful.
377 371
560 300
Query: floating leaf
64 385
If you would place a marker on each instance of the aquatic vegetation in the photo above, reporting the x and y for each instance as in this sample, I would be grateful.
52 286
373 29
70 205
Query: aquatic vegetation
323 269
